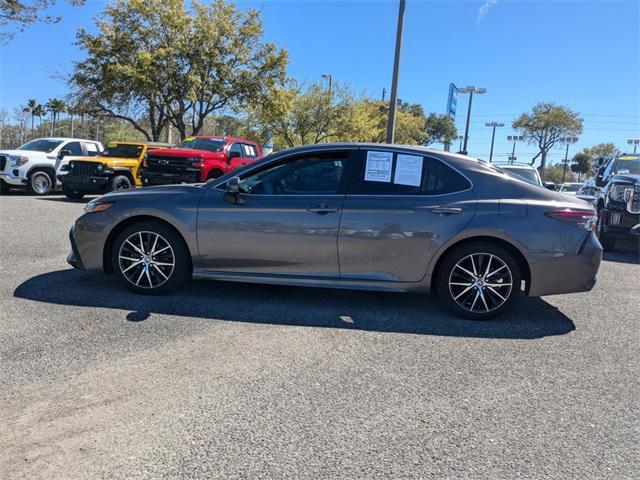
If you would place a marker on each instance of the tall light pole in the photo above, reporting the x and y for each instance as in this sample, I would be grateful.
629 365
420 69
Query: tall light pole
470 90
459 138
329 78
494 125
393 100
568 141
514 139
635 142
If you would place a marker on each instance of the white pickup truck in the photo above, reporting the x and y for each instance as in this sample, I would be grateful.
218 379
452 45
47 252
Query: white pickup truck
35 164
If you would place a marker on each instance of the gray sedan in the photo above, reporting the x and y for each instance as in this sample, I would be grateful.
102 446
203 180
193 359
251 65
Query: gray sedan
359 216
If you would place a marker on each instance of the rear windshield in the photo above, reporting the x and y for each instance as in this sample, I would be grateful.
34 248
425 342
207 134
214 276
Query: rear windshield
41 145
123 150
208 144
530 176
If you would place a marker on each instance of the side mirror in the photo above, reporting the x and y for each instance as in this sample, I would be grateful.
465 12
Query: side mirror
599 177
550 186
233 186
64 153
234 155
233 191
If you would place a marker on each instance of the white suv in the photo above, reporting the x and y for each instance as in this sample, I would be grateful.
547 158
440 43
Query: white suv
35 164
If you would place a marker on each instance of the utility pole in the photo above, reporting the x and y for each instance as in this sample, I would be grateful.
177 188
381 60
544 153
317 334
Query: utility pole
459 138
393 100
470 90
567 141
493 135
514 138
635 142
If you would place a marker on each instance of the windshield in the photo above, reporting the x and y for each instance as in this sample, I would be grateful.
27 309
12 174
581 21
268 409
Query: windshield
123 150
526 174
570 187
629 164
41 145
208 144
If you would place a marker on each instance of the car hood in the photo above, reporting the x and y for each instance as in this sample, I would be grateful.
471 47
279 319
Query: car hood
23 153
145 193
183 152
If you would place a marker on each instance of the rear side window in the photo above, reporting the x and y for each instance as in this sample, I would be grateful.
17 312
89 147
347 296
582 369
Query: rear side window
249 150
391 173
92 149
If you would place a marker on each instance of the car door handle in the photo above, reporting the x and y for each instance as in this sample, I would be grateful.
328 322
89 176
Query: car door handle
322 209
445 210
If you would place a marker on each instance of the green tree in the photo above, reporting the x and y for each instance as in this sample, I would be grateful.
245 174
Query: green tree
31 108
16 15
545 125
601 150
440 129
582 164
555 173
55 106
175 64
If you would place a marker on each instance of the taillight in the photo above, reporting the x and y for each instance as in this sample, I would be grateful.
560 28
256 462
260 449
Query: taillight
587 219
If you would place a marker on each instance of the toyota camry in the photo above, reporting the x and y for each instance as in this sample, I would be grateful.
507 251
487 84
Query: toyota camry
355 216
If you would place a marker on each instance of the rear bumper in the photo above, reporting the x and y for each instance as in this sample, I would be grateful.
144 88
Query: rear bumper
553 274
84 184
150 177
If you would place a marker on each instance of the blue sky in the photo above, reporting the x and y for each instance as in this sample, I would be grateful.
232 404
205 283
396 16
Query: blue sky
585 55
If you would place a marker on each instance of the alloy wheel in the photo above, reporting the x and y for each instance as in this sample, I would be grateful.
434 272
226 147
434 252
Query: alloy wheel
480 282
41 183
146 259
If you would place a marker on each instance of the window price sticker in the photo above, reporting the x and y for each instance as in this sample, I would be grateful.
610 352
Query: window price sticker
378 168
408 170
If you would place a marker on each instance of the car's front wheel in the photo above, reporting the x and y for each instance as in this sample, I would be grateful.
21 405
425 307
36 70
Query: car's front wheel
478 281
120 182
39 183
151 258
71 194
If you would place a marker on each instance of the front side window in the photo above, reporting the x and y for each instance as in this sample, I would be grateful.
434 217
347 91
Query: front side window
319 174
123 150
41 145
92 149
237 148
387 173
74 148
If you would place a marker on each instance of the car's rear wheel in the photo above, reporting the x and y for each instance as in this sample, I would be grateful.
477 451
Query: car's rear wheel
478 281
151 258
120 182
39 183
71 194
607 242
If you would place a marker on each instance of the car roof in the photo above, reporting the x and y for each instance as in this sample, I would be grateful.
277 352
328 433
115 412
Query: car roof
62 139
226 139
515 166
148 144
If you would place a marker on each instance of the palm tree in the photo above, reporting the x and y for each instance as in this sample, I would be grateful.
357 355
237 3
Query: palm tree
39 111
31 106
55 106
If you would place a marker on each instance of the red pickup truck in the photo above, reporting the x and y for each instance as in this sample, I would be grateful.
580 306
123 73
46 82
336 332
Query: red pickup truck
197 159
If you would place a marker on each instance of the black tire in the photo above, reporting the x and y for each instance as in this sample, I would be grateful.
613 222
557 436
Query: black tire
214 174
4 188
39 183
495 297
120 182
168 279
607 242
71 194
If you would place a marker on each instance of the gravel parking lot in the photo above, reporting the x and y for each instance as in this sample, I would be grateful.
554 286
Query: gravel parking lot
228 380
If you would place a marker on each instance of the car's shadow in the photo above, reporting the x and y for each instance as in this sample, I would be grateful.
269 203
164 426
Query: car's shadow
625 252
296 306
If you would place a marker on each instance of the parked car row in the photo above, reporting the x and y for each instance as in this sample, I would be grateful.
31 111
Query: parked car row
81 167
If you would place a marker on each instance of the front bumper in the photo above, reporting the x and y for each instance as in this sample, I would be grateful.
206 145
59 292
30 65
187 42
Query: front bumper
553 274
621 223
73 258
151 177
14 177
84 184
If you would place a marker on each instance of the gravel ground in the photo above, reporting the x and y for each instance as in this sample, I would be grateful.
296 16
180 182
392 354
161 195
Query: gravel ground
242 381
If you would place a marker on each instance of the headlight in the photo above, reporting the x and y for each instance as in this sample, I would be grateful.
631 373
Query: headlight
18 161
633 200
617 192
96 206
194 160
